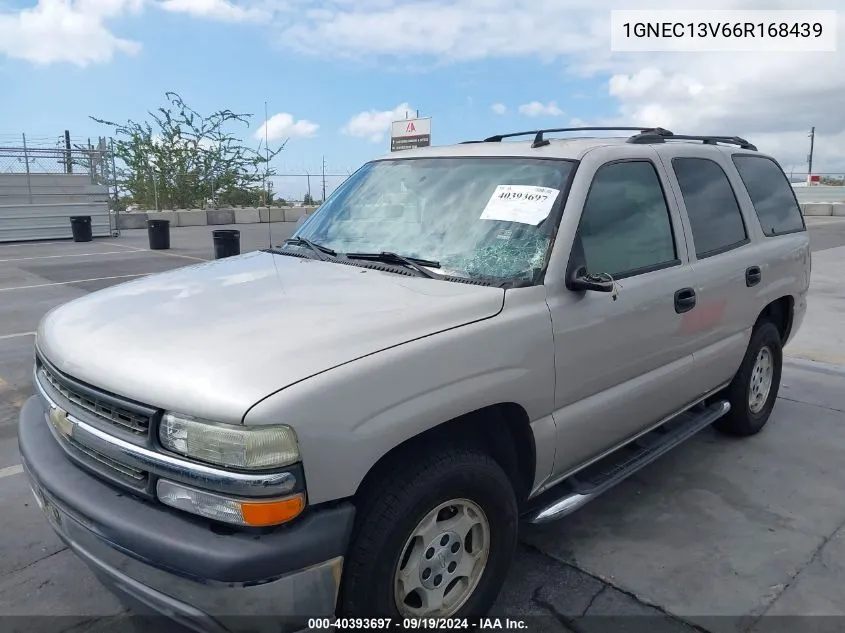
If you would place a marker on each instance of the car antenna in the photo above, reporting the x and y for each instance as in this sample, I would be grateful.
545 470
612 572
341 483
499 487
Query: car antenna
267 179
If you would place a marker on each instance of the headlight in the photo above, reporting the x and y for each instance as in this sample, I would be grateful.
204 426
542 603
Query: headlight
250 448
251 512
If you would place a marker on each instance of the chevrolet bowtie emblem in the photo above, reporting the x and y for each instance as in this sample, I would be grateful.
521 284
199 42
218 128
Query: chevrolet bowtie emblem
58 418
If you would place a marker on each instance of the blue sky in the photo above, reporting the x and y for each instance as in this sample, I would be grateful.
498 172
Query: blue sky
343 66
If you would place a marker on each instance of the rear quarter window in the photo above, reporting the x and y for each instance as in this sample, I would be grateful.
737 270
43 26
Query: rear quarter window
770 193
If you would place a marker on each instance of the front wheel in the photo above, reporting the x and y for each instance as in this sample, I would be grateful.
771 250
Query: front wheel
436 540
754 389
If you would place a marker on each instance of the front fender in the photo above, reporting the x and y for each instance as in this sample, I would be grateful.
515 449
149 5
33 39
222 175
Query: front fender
348 417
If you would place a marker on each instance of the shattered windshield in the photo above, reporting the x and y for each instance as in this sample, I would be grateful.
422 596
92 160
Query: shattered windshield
476 217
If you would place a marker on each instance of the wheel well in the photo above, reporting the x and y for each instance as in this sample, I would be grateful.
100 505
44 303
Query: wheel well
501 430
778 312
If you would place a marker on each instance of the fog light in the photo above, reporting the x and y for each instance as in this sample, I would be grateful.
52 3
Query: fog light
247 512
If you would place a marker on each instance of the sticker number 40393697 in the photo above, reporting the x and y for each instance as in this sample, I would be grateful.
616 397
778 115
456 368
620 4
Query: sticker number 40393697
520 203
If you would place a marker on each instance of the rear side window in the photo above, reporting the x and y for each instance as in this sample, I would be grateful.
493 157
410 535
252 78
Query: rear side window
712 208
625 227
771 194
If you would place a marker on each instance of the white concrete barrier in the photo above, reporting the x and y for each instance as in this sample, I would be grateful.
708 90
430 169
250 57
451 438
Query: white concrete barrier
817 209
273 214
194 217
247 216
292 214
838 210
204 217
131 220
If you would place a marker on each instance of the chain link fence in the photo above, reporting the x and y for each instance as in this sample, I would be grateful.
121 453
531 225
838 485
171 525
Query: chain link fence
297 187
42 187
94 163
29 156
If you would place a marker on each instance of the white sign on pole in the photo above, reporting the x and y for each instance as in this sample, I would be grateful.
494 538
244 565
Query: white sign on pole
410 133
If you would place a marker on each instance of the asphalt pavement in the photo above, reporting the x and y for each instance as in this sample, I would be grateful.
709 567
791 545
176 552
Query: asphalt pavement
718 535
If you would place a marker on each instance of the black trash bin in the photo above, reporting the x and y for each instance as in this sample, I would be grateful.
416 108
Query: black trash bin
227 242
80 227
158 232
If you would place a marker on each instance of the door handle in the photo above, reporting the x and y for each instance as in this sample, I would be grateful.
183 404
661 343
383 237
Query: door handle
753 275
684 300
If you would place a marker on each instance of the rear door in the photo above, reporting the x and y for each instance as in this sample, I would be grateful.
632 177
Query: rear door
727 263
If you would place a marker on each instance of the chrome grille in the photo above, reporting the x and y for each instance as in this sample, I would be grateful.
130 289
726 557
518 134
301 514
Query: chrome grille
132 476
135 423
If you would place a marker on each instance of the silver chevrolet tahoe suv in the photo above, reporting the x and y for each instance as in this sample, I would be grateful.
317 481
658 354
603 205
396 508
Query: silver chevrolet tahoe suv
353 423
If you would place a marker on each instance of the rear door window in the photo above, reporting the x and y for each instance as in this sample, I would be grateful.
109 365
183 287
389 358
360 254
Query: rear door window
770 192
717 224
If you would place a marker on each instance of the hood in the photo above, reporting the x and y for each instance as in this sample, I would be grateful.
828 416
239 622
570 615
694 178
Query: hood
211 340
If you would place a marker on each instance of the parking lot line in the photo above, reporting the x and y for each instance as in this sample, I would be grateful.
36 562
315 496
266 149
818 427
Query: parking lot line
21 259
18 335
16 244
17 469
157 252
72 281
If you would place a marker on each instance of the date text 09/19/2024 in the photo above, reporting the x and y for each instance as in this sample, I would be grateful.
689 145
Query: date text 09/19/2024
411 624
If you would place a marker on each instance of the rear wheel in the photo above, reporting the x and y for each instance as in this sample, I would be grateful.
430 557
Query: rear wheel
436 540
754 389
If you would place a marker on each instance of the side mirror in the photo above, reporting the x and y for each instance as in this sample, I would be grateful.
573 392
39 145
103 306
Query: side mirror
581 280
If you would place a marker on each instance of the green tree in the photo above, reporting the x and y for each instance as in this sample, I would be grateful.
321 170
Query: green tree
181 158
307 200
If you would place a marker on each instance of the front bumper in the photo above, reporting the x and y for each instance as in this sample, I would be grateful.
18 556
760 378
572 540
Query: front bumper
205 577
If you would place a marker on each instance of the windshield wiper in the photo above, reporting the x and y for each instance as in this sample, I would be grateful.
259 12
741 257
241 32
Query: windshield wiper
393 258
317 248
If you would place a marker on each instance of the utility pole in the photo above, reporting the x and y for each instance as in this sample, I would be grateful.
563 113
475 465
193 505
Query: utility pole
324 180
812 143
308 176
68 155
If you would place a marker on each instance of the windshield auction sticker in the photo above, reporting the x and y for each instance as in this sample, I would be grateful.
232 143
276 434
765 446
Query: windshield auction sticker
520 203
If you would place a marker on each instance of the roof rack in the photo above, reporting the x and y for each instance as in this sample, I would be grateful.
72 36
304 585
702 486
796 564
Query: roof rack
539 141
644 136
658 135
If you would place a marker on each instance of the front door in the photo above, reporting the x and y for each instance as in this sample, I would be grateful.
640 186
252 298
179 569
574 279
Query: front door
623 360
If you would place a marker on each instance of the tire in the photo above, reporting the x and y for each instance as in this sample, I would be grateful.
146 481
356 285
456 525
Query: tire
744 419
390 514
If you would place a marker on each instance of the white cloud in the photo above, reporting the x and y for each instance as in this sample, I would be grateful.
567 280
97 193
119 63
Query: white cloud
221 10
450 29
373 125
499 108
535 108
284 125
71 31
771 98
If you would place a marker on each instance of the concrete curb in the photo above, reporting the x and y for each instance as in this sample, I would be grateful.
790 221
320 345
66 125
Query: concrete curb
202 217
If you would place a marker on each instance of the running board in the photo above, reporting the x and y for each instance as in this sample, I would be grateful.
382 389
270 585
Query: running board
589 483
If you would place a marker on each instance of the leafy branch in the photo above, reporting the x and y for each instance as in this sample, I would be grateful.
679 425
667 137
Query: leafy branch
181 158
